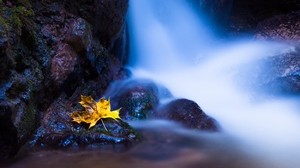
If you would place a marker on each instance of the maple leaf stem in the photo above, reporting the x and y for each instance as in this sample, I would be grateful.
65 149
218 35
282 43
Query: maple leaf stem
103 125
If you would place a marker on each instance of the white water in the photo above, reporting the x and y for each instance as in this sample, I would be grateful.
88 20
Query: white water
173 47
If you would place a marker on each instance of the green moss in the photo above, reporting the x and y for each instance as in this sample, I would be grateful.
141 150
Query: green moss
3 24
13 18
27 123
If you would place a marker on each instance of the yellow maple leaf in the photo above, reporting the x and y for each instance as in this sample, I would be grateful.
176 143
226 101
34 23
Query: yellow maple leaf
94 111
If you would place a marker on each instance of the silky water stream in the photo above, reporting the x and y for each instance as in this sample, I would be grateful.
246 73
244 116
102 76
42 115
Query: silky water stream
172 45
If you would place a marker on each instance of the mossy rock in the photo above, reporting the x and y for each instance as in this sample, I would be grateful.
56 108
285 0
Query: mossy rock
58 131
137 98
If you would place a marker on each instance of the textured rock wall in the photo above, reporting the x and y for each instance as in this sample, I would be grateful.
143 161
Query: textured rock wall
51 48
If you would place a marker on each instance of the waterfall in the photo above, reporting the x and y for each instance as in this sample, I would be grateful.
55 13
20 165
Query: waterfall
172 44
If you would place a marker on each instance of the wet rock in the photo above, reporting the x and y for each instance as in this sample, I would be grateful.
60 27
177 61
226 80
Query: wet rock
58 131
277 74
63 63
187 113
280 28
136 98
79 35
108 20
44 53
246 15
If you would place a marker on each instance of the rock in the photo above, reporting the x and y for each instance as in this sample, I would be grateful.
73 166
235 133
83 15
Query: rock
63 63
44 53
246 15
187 113
280 28
79 35
57 130
108 20
277 74
8 135
136 98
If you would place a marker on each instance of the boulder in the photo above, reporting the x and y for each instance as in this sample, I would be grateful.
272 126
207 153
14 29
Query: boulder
58 131
187 113
246 15
107 18
280 28
137 98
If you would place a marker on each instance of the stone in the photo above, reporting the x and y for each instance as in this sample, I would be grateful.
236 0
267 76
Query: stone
79 35
277 74
63 63
280 28
136 98
246 15
188 114
44 53
58 131
107 17
8 135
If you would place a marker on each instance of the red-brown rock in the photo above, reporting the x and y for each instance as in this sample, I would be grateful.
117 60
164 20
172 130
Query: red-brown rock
63 63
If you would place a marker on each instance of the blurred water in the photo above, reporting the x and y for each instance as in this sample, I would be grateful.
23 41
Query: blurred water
172 45
165 144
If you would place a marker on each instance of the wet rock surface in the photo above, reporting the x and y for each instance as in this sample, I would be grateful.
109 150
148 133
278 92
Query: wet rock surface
277 74
141 99
137 98
107 18
280 28
246 15
186 113
57 130
46 52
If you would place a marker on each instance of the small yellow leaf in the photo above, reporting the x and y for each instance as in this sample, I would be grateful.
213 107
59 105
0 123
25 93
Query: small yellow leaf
94 111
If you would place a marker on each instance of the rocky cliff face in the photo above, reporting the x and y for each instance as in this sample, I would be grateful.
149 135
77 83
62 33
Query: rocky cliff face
51 48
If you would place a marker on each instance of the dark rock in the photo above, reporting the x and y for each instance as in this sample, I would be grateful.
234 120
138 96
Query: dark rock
58 131
246 15
280 28
108 20
8 135
63 63
136 98
79 35
44 53
187 113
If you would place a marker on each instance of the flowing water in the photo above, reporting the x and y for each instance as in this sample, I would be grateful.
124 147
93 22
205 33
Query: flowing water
173 45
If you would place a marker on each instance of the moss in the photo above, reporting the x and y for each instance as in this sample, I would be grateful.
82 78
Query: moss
18 17
28 120
3 26
13 18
